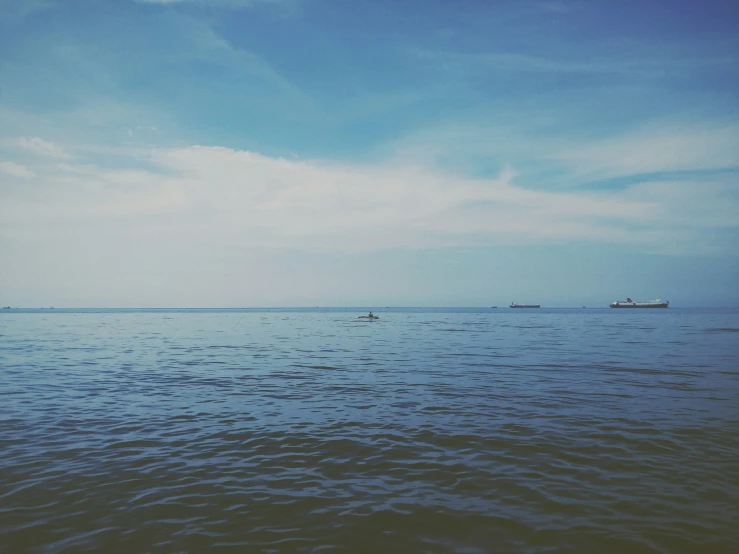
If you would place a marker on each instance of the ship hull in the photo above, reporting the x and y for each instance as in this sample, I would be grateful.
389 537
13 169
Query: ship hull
639 304
645 306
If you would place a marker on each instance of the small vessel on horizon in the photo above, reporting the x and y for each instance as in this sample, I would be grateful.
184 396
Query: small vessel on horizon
629 303
514 305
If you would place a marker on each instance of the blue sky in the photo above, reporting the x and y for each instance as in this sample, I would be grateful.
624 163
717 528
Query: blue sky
325 152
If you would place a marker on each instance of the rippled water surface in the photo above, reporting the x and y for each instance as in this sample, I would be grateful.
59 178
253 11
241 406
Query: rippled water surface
425 431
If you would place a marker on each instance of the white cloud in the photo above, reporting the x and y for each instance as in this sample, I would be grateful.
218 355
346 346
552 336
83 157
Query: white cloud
239 199
345 207
16 170
656 148
42 147
210 226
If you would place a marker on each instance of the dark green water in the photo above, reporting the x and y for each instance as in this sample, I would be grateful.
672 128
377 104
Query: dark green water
426 431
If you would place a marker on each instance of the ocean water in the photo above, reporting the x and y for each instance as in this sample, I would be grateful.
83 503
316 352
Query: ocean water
314 431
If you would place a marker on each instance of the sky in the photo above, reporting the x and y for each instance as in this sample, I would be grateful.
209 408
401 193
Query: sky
269 153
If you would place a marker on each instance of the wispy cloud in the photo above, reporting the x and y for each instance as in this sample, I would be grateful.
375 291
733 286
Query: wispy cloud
566 161
655 148
580 64
16 170
42 147
204 43
180 76
236 198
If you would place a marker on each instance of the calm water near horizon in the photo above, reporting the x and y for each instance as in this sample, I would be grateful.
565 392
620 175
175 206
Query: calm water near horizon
429 430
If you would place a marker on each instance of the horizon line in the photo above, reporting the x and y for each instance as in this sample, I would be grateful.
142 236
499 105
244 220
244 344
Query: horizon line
347 307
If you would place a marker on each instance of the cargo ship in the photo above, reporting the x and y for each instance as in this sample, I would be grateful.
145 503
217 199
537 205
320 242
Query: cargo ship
514 305
629 303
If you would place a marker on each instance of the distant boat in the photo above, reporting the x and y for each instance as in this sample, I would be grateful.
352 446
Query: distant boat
6 307
514 305
493 306
629 303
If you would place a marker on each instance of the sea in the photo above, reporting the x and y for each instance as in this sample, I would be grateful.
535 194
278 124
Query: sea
427 430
